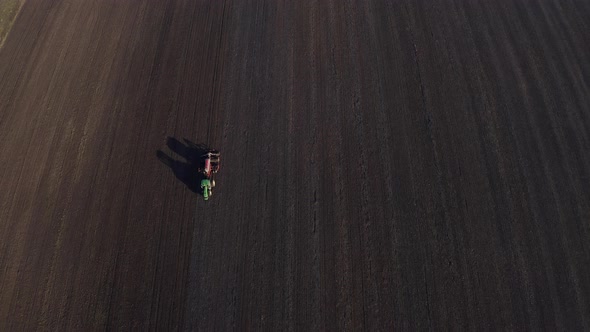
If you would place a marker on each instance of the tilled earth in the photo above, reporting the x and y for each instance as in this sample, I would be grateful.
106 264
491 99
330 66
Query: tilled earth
385 165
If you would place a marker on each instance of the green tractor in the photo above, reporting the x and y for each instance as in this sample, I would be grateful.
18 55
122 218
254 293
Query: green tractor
210 166
207 186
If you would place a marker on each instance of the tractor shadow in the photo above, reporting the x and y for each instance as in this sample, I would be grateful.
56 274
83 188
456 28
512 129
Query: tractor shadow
185 171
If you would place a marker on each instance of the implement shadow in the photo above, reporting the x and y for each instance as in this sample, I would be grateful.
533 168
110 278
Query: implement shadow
186 171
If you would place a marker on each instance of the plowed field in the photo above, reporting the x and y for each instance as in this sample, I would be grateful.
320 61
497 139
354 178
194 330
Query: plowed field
386 165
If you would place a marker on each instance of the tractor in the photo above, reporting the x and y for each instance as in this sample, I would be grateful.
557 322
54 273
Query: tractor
210 166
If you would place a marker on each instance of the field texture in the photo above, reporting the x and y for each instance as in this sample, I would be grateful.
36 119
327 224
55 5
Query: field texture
405 165
8 12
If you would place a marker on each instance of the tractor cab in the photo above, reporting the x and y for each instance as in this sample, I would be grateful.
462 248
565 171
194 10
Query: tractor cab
207 186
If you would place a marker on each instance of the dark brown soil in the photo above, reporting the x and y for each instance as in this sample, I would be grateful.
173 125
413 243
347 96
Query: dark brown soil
385 165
